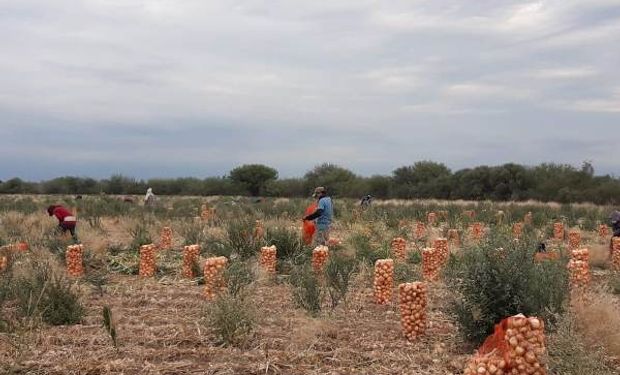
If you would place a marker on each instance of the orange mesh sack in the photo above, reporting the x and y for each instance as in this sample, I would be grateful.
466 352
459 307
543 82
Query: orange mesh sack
399 248
191 254
615 253
320 255
558 231
308 228
574 240
384 281
73 258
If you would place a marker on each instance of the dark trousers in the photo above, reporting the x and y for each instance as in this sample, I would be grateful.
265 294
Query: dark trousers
68 226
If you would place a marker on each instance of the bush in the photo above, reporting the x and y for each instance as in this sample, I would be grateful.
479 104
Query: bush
307 292
491 285
238 275
51 296
364 251
240 241
193 233
338 273
231 318
288 243
140 236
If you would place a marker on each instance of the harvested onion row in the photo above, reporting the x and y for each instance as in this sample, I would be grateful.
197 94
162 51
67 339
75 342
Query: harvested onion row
268 258
431 264
441 247
413 309
148 265
74 260
384 281
431 218
190 258
320 255
453 237
579 273
615 253
399 248
574 240
215 282
165 242
420 230
558 231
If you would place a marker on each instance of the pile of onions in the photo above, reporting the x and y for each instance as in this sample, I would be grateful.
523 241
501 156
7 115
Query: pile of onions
441 247
190 257
268 258
259 230
73 257
420 230
477 231
431 264
431 218
384 281
517 347
603 231
580 254
147 260
615 253
453 237
412 300
517 230
165 238
320 255
399 248
574 240
579 273
215 282
558 231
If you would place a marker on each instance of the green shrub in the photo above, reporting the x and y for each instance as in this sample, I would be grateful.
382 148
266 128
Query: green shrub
238 276
306 289
614 284
193 233
139 236
231 319
490 287
41 292
288 243
240 239
364 250
338 273
405 273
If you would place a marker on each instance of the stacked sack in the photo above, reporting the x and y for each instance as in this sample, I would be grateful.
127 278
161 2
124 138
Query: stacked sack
190 258
579 268
74 260
384 281
268 258
441 247
431 264
603 231
420 230
215 282
517 230
580 254
558 231
431 218
320 255
148 265
516 347
615 253
399 248
412 298
574 240
477 231
165 238
453 237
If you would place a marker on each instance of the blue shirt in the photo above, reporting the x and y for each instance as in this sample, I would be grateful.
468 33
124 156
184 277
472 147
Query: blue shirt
324 221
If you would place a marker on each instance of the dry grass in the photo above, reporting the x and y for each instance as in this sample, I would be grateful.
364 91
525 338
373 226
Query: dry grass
599 321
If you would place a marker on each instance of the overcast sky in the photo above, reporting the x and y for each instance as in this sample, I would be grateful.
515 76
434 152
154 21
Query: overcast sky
194 88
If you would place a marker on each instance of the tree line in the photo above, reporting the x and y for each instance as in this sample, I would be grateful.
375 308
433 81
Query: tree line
424 179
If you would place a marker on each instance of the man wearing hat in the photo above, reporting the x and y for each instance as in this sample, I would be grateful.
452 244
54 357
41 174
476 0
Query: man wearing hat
322 216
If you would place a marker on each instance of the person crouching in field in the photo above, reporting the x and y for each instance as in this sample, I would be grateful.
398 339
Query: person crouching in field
614 219
322 216
66 220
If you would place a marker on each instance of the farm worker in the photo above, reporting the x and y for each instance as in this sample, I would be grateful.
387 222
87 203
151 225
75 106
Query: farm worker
366 201
149 198
322 216
66 220
614 218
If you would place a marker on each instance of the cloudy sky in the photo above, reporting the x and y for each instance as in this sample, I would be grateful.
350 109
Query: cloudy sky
173 88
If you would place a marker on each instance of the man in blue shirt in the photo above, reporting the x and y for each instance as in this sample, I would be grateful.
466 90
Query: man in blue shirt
322 216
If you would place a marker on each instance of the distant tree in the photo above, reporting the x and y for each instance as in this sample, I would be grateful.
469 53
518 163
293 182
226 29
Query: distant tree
337 180
253 176
421 180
